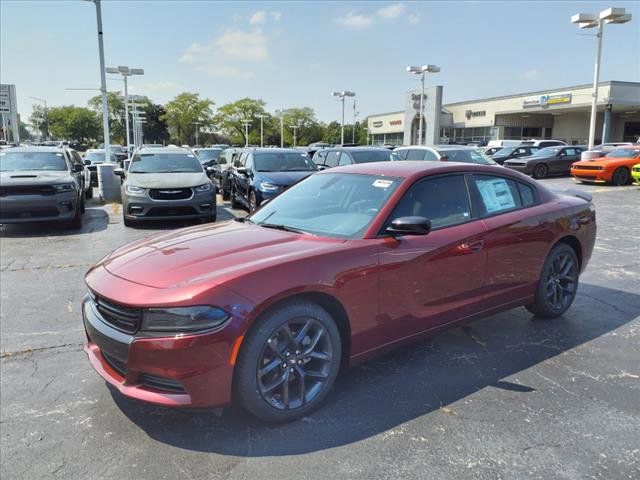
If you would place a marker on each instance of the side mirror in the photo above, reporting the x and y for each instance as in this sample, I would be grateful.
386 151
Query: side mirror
444 158
242 170
409 226
78 168
211 169
119 172
87 162
126 165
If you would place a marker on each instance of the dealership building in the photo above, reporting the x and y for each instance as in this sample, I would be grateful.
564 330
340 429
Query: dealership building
561 114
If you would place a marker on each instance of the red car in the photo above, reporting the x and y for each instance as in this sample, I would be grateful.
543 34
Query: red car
344 265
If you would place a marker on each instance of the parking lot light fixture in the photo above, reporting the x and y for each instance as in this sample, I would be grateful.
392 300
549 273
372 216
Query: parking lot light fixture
341 95
261 117
590 20
126 72
280 113
422 71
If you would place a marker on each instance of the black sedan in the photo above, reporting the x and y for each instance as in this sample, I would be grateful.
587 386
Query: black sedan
507 153
549 160
261 174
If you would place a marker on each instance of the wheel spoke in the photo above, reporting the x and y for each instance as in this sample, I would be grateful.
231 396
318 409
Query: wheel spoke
314 374
320 356
302 387
287 333
269 367
276 383
566 268
285 392
274 348
314 341
303 332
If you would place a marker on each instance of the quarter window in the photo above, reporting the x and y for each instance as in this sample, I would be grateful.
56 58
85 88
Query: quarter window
442 200
527 195
344 159
497 194
332 159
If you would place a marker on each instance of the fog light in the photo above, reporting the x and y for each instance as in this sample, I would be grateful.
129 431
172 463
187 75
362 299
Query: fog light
135 210
67 204
205 206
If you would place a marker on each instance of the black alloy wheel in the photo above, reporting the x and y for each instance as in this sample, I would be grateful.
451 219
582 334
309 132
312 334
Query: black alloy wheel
620 177
253 202
540 171
558 283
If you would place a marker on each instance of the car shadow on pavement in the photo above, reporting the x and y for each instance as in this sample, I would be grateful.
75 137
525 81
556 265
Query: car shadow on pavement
95 219
414 381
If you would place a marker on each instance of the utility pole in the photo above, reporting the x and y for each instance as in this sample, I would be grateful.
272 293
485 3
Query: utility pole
355 114
197 124
261 117
341 95
246 125
103 80
294 128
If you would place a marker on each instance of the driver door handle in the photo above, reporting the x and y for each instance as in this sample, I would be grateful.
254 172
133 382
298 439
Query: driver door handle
471 247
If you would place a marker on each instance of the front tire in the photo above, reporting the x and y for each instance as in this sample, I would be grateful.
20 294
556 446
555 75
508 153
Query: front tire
253 202
620 177
540 171
76 221
288 362
558 283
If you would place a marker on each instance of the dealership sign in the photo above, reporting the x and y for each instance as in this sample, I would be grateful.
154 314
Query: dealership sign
473 114
547 100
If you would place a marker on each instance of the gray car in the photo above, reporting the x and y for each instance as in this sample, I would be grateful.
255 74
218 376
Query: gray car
166 183
546 161
41 184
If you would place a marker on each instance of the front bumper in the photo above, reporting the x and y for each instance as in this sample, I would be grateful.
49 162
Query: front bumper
593 176
178 371
38 208
635 174
200 205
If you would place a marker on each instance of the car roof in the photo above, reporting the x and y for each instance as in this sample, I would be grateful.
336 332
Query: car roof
46 149
271 150
410 168
438 147
163 150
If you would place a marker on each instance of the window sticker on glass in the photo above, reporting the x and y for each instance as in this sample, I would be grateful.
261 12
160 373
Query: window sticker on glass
496 195
382 183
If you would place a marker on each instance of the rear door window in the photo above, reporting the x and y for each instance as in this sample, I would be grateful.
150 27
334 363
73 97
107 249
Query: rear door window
415 154
497 194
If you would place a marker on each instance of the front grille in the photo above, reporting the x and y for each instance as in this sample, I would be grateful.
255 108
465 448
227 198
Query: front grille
516 164
170 193
636 169
117 365
125 319
34 213
161 383
588 167
585 177
7 190
171 211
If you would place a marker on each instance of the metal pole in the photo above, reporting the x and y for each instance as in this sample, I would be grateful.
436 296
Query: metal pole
342 126
197 128
353 131
103 81
46 121
282 130
421 108
261 131
596 78
126 114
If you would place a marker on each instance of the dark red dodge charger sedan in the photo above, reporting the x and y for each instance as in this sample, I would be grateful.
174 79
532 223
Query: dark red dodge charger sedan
346 264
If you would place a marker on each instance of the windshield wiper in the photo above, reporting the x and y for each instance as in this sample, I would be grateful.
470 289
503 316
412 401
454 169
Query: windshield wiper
285 228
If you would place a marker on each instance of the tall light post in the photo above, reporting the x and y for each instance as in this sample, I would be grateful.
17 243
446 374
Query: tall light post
126 72
246 124
341 95
197 124
295 129
355 114
261 117
46 116
421 71
103 79
280 113
590 20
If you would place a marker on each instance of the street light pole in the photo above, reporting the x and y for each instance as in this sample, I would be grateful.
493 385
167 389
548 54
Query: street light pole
589 20
246 125
261 117
343 94
197 124
353 131
280 113
46 116
422 71
294 128
126 72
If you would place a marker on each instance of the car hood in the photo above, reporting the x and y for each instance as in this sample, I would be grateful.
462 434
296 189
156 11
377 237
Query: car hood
166 180
210 253
284 178
607 162
34 177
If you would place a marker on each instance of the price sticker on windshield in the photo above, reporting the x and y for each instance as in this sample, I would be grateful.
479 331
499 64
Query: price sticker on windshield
382 183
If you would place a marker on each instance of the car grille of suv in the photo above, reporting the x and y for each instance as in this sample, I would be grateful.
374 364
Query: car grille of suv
170 193
26 190
170 211
125 319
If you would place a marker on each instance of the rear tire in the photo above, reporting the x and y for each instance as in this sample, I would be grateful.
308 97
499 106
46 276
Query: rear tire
76 222
225 194
558 283
540 171
234 201
620 177
288 362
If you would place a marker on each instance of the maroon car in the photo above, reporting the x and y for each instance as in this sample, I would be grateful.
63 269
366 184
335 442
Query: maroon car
346 264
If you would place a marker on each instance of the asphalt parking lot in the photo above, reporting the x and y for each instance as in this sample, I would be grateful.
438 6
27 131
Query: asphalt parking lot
509 396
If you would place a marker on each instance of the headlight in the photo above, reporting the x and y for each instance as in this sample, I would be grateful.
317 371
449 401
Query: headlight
268 187
64 187
203 188
183 319
133 190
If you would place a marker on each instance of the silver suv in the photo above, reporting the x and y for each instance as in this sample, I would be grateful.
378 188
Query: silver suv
167 182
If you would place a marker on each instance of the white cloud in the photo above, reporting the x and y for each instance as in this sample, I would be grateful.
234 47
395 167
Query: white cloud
392 11
353 20
413 18
276 16
226 54
258 18
531 74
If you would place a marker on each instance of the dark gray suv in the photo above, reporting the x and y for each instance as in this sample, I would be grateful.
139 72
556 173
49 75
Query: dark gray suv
41 184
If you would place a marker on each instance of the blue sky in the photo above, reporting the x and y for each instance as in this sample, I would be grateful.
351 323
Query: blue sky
296 53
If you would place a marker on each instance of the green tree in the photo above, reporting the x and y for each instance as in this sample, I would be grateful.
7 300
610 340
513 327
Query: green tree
115 105
332 133
230 119
74 123
309 129
155 130
182 112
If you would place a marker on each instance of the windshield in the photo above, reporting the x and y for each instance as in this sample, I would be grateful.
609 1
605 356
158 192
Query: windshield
165 163
97 157
624 153
18 161
283 162
373 156
340 205
504 151
468 156
547 152
207 155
